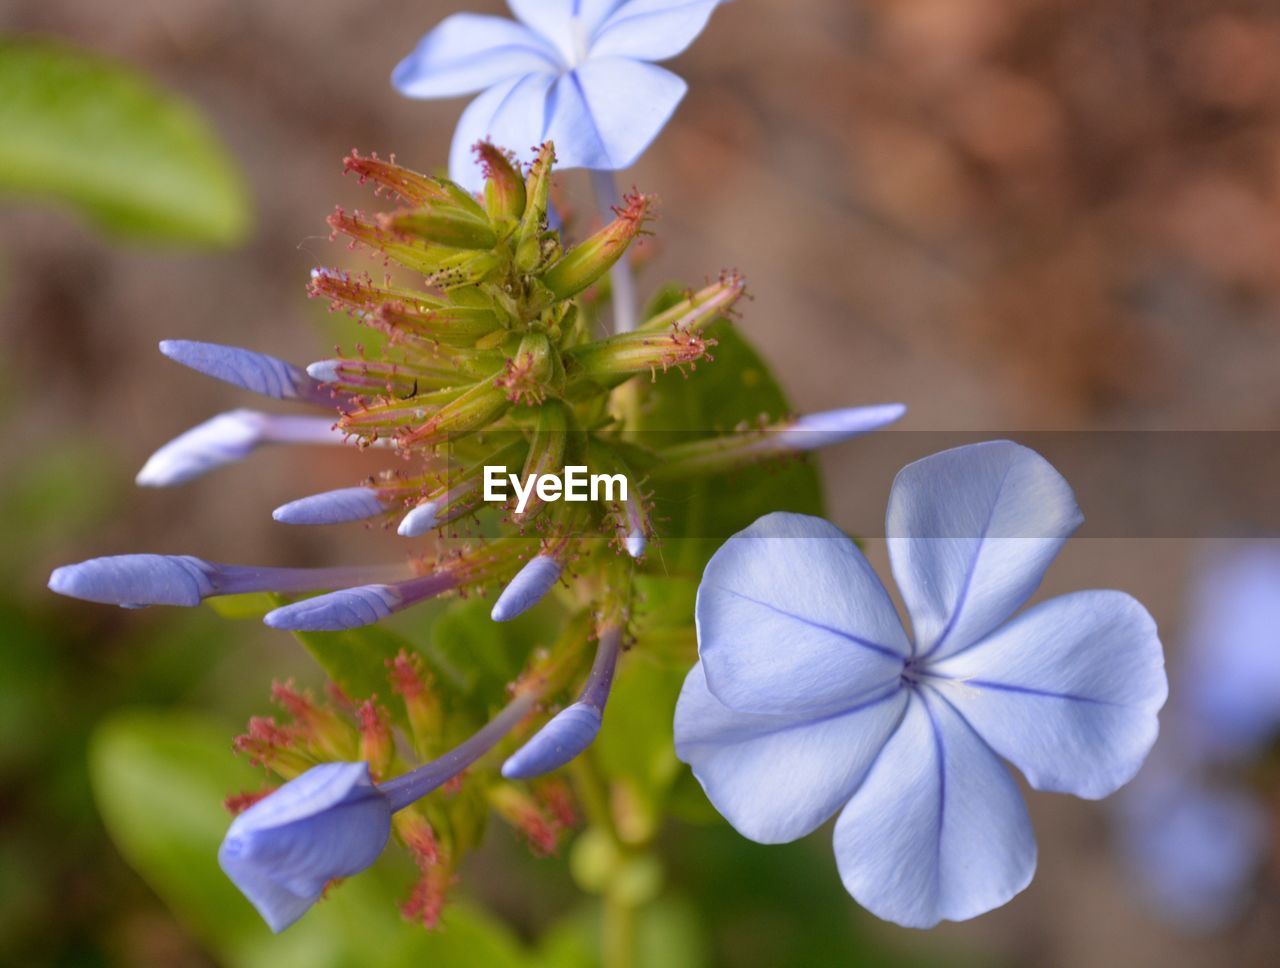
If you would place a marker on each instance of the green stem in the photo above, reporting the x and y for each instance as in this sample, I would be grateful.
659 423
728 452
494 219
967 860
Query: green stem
619 928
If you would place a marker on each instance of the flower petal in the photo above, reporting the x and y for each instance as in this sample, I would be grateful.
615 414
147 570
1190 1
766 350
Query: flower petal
970 533
776 778
938 830
652 30
511 115
282 852
792 620
1068 691
467 52
566 24
604 113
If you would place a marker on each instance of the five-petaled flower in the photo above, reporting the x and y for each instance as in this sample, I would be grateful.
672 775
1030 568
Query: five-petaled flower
810 698
578 72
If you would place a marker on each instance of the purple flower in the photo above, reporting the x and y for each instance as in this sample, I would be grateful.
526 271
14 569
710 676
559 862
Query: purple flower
281 852
527 587
577 72
333 821
810 698
1233 662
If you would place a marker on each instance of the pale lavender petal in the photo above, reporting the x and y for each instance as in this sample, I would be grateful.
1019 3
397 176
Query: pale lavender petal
791 620
776 778
283 851
604 113
511 115
567 25
970 534
256 372
527 588
467 52
1067 692
333 507
938 830
652 30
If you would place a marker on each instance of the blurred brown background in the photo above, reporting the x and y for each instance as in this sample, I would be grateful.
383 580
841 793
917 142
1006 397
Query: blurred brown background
1009 214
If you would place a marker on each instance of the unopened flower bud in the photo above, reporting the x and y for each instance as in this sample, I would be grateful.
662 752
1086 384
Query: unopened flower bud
504 188
328 731
445 225
588 261
618 357
524 813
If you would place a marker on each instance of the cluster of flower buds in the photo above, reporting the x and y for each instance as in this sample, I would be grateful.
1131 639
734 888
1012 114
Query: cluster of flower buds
485 355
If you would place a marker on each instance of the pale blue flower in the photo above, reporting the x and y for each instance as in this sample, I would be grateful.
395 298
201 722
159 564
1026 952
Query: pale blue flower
1194 843
333 821
282 852
1194 832
577 72
1233 660
810 698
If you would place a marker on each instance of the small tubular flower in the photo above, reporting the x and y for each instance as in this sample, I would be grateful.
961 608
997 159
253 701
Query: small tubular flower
227 438
810 699
281 853
134 581
578 72
333 821
333 507
256 372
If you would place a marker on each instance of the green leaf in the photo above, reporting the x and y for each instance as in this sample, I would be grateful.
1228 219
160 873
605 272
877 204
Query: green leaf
101 137
159 779
737 388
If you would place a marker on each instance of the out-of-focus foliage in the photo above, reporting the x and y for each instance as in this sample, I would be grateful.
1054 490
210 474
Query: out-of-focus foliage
137 160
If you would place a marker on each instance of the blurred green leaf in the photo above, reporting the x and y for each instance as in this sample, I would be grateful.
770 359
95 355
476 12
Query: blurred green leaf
735 389
137 160
159 780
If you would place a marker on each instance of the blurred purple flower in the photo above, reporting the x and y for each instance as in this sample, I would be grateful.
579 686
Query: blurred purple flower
1193 833
1233 663
577 72
810 698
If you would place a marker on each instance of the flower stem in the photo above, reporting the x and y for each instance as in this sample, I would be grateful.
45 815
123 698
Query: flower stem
620 278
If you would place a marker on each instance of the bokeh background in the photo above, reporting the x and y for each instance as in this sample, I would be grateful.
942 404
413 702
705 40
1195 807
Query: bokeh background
1013 215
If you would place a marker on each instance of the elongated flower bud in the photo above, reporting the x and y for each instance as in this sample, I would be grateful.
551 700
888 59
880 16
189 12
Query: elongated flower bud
447 225
326 730
527 588
414 685
227 438
351 608
256 372
618 357
629 516
529 254
702 307
588 261
574 728
333 507
714 455
457 495
546 450
357 293
134 581
413 187
476 408
504 188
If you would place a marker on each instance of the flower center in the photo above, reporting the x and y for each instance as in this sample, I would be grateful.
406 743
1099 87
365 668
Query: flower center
578 41
913 672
